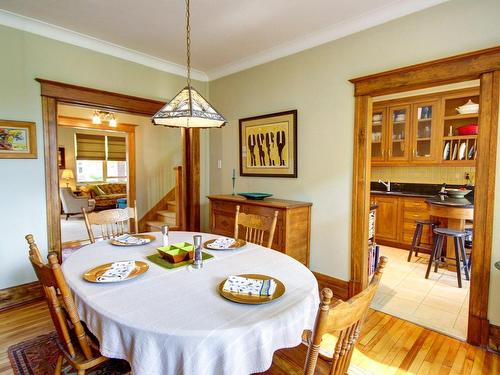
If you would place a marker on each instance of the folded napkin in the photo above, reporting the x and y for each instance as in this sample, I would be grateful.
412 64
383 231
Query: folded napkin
251 287
131 240
222 243
117 272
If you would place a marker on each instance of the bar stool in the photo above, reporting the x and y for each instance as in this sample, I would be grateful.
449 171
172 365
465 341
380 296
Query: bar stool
417 236
458 238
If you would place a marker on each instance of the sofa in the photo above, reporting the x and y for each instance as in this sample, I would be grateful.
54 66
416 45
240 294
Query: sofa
105 195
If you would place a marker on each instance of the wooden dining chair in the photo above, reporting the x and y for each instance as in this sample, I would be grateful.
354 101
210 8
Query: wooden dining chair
255 227
77 346
339 320
112 223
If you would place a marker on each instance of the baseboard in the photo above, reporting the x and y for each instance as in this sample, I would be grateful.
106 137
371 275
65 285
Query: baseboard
340 288
20 295
494 338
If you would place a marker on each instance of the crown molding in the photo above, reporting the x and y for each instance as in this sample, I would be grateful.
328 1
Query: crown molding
362 22
61 34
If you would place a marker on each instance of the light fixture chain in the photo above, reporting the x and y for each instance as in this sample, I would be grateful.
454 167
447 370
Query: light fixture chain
188 43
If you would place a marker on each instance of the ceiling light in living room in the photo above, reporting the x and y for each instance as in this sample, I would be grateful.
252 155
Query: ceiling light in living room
99 116
188 109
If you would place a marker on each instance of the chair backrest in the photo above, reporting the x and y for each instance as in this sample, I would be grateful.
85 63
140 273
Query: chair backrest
60 300
344 320
112 223
255 227
66 196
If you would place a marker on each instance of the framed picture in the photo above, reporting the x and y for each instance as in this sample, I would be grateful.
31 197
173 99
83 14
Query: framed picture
268 145
17 140
61 158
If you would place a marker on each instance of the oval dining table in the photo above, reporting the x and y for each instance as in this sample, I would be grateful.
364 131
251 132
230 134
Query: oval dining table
174 321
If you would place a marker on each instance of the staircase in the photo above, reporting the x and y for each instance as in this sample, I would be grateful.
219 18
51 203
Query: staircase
167 211
166 216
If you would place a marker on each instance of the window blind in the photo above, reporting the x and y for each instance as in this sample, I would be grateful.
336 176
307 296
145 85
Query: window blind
117 149
90 147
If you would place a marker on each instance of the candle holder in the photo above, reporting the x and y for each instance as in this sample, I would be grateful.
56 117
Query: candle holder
234 182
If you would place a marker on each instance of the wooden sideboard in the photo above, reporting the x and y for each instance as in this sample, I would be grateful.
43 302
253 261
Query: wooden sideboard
293 228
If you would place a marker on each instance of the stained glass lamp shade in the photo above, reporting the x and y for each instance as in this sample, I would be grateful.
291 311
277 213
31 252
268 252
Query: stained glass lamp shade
188 109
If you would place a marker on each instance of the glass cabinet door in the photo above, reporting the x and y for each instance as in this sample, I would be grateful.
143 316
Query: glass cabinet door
378 134
424 115
399 121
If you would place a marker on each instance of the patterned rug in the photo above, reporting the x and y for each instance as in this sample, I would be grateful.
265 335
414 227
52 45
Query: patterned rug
38 356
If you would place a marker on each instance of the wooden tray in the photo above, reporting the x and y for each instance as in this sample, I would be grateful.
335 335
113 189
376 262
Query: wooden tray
236 245
149 237
92 274
253 300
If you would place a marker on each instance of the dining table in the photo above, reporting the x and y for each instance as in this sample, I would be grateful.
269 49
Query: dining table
175 321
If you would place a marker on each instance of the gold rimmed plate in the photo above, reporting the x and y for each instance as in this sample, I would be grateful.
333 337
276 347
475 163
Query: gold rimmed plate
253 300
237 244
148 237
93 274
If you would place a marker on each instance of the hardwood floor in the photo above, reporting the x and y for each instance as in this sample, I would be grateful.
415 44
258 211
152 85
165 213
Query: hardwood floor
388 345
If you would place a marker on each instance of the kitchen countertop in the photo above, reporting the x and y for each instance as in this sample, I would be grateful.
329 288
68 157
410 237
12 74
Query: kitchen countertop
444 200
402 194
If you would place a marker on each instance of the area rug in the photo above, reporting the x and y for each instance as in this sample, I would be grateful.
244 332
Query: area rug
38 356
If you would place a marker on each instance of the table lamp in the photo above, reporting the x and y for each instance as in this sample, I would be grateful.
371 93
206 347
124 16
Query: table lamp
67 174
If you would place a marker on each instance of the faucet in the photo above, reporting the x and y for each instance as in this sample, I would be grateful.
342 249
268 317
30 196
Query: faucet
387 185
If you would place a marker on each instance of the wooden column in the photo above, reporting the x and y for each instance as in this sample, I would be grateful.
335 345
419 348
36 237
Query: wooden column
484 195
191 179
49 106
360 195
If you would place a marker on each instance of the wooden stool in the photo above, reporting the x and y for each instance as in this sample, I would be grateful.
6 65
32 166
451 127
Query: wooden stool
437 250
417 236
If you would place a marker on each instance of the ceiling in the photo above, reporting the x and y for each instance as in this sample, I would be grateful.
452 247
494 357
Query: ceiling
227 35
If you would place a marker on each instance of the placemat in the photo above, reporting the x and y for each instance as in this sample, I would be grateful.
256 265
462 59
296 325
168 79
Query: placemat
158 260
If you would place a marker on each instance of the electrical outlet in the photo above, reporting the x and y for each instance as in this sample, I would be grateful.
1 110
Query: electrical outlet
219 164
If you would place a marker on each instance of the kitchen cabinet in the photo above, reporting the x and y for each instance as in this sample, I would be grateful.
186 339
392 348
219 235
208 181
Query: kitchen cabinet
396 217
386 225
424 129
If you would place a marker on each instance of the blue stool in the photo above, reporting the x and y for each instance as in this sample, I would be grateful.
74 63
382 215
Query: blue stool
121 203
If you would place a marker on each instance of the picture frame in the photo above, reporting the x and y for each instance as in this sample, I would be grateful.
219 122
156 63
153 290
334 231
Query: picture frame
17 140
268 145
61 158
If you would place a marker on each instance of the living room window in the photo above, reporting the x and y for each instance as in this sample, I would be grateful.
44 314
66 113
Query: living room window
100 158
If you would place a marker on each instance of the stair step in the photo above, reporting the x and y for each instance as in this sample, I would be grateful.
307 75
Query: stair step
156 225
172 203
166 213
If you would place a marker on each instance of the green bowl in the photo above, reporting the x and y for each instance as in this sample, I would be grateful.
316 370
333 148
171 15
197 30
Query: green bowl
175 254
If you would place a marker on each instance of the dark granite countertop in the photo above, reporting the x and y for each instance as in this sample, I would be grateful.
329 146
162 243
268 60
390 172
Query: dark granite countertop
444 200
402 193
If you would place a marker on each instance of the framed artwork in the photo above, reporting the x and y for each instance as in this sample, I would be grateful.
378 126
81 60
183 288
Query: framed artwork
268 145
61 158
17 140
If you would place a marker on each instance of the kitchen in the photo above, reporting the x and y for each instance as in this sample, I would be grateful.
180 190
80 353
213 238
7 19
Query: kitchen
424 146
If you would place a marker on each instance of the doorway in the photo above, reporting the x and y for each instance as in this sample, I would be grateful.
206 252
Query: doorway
55 93
450 70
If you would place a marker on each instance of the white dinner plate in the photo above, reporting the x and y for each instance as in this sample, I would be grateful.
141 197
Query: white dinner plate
461 153
446 151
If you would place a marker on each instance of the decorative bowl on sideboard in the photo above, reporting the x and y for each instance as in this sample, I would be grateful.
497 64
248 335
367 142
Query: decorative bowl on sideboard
255 196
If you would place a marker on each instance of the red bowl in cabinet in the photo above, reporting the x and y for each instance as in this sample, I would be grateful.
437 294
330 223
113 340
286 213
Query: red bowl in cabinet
470 129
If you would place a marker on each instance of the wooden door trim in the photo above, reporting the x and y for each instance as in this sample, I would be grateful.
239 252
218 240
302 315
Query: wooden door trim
89 97
464 67
54 93
483 65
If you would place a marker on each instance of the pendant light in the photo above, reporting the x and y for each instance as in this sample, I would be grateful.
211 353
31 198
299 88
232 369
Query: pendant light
188 109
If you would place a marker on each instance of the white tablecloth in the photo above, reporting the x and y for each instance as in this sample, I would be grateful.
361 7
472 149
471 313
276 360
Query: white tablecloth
175 322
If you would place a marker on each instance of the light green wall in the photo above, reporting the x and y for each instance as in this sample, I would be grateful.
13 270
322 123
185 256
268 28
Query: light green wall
315 82
24 57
